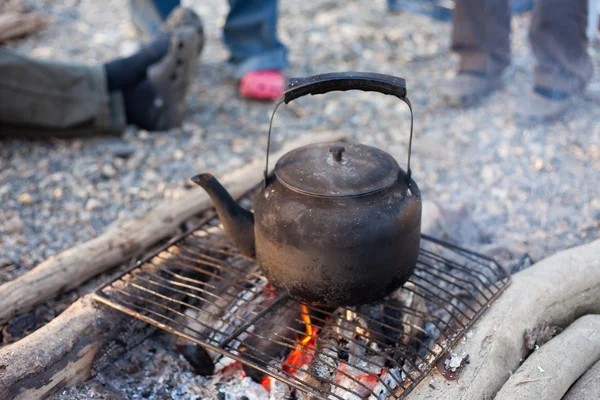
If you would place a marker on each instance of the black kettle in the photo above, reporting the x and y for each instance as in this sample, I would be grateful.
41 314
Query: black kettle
336 224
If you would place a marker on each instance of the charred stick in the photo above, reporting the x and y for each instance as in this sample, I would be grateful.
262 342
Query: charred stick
273 338
326 360
207 320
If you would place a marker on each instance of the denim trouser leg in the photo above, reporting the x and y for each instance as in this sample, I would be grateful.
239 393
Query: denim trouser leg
164 7
148 15
250 33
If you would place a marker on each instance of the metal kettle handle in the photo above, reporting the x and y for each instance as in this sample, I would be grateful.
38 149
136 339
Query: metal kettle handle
342 81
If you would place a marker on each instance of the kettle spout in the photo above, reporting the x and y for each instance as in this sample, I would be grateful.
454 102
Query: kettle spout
237 221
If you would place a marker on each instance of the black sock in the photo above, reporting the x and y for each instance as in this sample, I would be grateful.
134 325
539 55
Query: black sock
140 109
125 72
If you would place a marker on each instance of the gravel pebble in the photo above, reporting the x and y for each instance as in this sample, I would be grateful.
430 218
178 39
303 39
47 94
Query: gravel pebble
108 171
93 204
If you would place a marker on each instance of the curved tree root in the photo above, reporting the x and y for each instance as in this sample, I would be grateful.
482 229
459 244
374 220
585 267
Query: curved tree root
586 387
555 291
551 370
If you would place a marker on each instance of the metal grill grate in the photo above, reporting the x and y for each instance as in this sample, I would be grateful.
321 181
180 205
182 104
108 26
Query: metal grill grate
201 288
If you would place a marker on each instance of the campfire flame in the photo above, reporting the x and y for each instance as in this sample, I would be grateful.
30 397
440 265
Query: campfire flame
307 322
302 355
303 352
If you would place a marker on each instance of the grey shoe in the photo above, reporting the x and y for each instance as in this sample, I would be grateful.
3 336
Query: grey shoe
467 88
182 16
534 107
149 23
172 76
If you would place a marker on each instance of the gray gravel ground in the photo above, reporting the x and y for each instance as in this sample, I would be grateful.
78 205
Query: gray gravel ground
536 186
528 189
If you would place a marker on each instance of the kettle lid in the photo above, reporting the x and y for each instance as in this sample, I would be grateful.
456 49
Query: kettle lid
337 169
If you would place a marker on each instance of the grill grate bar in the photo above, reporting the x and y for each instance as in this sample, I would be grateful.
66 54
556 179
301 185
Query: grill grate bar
420 274
491 282
439 274
259 315
377 341
200 287
438 300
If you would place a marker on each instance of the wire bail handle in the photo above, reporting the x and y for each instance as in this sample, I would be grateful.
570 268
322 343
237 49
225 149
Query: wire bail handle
343 81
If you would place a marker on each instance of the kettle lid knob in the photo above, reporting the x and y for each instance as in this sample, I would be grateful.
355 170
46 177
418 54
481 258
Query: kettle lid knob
336 152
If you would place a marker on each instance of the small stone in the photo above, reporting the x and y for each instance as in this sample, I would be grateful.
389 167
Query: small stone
13 225
58 193
488 174
150 176
93 204
108 171
121 150
25 198
238 145
179 154
4 189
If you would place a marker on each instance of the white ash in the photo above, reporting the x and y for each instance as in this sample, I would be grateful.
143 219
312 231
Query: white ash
391 378
236 389
455 362
279 390
350 389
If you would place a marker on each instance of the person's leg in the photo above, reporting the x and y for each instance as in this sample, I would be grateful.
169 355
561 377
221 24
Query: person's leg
481 38
165 7
563 66
52 95
250 33
148 15
146 89
559 41
481 35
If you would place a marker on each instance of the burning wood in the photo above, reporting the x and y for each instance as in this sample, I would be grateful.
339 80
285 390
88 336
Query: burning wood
325 362
273 338
361 351
213 318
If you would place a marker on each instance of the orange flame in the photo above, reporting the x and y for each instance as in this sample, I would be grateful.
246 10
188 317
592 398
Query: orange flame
304 348
307 322
303 352
266 383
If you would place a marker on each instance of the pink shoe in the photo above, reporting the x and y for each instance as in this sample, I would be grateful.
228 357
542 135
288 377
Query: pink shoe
262 85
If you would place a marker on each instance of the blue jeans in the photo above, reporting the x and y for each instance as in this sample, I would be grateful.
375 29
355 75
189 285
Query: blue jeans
250 34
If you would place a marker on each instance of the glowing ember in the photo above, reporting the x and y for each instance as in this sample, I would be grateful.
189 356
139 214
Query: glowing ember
266 383
300 358
369 380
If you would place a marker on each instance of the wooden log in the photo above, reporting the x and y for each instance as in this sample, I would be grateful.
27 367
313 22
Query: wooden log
124 240
63 352
555 291
551 370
